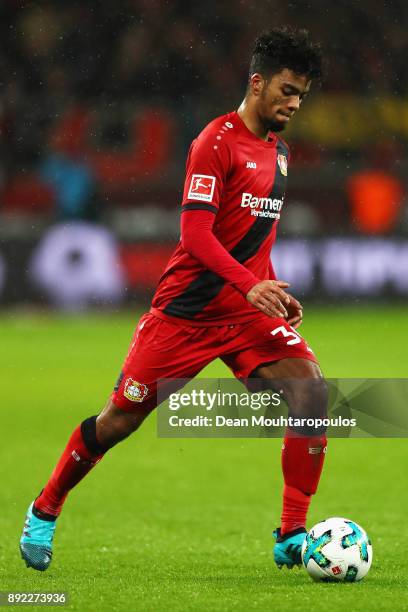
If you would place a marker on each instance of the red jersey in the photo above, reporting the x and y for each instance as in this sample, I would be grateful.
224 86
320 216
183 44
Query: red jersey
241 179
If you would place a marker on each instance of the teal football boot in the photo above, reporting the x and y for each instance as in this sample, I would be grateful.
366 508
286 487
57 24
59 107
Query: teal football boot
288 548
36 541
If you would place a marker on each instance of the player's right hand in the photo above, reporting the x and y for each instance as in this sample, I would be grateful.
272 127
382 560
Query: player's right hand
270 298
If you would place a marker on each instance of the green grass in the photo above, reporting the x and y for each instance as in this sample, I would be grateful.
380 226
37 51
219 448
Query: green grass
186 524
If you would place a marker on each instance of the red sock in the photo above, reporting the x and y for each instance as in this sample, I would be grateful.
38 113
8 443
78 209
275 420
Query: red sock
302 464
75 462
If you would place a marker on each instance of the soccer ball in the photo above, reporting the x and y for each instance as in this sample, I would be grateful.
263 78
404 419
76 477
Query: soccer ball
337 549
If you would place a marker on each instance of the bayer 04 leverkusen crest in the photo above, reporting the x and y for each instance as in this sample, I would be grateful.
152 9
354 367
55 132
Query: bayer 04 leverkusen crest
283 164
135 391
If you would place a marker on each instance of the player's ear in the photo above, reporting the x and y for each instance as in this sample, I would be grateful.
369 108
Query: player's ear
256 84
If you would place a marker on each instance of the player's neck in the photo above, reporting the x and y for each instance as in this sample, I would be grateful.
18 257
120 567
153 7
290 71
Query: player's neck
251 120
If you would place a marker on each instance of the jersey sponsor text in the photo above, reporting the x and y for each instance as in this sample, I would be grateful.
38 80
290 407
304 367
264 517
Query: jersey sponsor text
262 207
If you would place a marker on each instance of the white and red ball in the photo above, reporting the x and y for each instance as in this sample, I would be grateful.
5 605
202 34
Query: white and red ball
337 549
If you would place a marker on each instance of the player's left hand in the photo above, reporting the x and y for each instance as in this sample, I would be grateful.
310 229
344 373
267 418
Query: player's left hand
295 312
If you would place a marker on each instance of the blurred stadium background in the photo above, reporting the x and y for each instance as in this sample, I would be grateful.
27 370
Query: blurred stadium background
99 102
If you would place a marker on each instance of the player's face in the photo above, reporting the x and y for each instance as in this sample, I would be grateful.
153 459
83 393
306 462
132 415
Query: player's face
280 97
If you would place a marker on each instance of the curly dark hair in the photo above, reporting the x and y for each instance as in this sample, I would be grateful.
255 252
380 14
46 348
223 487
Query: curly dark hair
286 47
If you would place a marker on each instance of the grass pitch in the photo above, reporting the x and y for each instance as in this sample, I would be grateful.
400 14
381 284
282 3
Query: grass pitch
186 524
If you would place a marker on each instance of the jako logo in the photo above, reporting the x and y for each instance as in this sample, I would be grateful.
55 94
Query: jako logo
251 164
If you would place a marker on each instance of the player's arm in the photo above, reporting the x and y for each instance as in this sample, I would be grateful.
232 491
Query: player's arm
208 164
198 239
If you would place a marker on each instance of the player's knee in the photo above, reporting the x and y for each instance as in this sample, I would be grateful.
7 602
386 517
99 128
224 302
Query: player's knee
307 397
114 424
307 402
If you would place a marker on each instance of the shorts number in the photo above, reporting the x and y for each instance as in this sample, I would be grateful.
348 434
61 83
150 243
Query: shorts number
295 338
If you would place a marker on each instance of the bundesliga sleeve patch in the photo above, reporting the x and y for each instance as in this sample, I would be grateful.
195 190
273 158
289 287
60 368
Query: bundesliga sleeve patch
201 188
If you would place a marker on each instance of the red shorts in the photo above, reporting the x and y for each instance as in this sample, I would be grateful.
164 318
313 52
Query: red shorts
163 349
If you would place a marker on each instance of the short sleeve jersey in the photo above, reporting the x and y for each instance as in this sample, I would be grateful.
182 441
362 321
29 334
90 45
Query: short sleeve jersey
241 179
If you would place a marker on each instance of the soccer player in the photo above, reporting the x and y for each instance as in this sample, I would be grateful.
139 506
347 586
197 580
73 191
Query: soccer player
219 297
